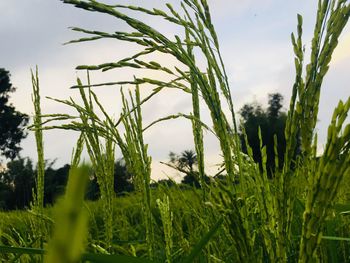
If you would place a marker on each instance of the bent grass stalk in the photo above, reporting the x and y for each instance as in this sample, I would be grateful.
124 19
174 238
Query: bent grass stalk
209 83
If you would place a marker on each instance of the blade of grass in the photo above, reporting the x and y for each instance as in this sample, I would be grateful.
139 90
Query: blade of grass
100 258
203 242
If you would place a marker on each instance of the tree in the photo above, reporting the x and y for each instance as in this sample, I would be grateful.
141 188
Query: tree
55 182
272 121
163 182
12 122
275 105
17 183
6 193
185 163
122 178
122 181
188 159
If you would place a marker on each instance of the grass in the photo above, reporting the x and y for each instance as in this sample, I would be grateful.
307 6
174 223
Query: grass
187 225
301 214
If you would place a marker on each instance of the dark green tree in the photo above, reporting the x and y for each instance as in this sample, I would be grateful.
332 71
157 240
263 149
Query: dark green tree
122 178
6 193
272 121
122 181
55 182
12 122
18 182
93 190
163 182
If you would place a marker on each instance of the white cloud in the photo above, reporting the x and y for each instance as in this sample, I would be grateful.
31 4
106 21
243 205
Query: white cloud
236 7
342 52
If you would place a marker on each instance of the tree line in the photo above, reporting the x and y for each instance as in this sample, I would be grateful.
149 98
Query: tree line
17 181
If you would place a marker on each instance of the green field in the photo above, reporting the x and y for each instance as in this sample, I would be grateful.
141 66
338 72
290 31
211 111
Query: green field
191 219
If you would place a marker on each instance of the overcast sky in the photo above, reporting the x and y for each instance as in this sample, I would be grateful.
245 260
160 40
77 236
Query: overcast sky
255 42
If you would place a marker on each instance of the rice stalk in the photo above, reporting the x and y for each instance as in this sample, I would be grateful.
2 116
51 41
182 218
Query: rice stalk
102 159
323 186
39 194
138 162
258 212
209 82
167 221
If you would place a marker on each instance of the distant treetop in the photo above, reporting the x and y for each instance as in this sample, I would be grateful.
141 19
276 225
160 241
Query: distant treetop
12 122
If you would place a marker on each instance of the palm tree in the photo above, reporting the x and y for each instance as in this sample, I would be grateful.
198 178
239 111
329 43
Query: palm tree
184 162
188 159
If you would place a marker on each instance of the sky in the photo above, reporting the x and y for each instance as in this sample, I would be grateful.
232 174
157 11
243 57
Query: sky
255 44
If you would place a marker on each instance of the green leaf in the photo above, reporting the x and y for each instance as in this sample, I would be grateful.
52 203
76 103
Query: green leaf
203 242
21 250
336 238
96 258
102 258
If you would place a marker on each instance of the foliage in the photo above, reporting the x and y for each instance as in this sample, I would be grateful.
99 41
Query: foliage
18 181
271 122
187 159
12 122
122 178
187 163
55 183
122 181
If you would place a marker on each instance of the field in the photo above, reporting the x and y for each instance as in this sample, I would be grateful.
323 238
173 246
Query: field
298 212
189 223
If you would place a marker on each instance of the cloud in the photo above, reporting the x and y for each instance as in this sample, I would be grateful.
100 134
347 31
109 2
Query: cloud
342 52
224 8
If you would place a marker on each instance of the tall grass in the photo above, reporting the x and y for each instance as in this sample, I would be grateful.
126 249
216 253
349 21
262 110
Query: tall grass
39 193
37 206
277 198
248 217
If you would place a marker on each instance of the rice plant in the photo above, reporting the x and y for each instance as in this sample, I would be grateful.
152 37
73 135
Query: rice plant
247 217
39 194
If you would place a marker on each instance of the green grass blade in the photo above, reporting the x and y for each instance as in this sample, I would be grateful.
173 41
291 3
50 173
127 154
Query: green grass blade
347 239
21 250
203 242
68 241
102 258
